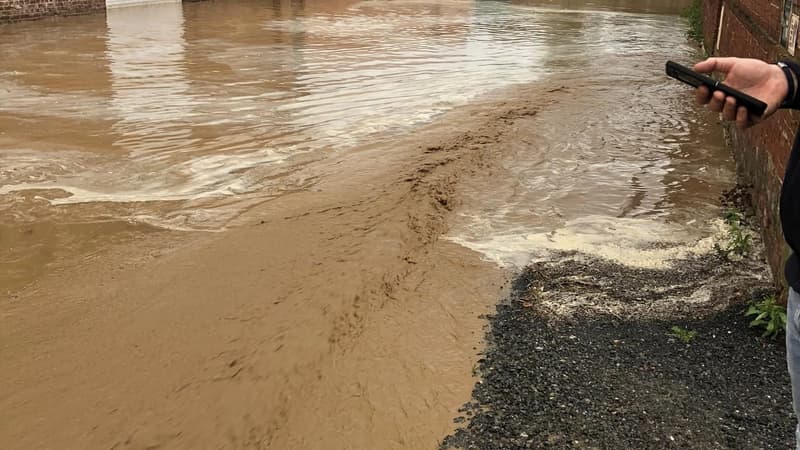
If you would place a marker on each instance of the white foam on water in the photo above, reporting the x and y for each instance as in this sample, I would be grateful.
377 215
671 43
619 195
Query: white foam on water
632 242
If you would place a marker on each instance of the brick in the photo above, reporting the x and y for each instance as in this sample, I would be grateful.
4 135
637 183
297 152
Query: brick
752 28
12 10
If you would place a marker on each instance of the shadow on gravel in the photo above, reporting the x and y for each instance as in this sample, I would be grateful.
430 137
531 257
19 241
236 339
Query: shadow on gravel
563 371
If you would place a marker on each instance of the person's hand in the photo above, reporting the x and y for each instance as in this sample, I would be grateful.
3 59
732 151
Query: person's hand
754 77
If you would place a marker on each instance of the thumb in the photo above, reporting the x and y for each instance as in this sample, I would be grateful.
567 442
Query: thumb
723 65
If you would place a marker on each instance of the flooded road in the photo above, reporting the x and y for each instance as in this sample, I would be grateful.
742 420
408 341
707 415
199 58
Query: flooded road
239 225
184 116
175 104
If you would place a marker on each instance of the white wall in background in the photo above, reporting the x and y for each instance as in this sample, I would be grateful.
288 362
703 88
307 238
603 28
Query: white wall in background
120 3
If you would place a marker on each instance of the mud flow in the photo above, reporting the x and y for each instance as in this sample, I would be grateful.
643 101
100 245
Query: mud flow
242 224
237 100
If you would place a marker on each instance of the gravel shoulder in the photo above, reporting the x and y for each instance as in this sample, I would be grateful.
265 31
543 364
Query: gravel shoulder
582 355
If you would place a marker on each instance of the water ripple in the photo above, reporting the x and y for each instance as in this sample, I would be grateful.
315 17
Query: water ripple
182 102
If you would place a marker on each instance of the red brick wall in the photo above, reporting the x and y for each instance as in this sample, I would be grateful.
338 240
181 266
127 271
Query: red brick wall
740 38
752 28
13 10
710 22
765 14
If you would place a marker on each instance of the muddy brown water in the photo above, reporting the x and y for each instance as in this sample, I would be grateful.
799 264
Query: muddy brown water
184 116
221 222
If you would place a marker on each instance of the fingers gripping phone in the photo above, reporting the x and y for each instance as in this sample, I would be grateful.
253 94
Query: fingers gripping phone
755 106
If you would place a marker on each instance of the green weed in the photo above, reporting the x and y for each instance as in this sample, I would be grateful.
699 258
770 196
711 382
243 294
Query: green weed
739 243
769 315
683 334
694 14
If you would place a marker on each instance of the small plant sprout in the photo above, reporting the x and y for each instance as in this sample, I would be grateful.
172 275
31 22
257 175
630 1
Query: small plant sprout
683 334
769 315
738 237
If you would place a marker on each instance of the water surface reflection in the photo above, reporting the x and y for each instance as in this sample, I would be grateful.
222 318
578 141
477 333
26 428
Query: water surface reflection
184 115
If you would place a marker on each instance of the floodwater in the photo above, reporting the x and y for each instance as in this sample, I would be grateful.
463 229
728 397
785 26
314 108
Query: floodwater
182 116
244 202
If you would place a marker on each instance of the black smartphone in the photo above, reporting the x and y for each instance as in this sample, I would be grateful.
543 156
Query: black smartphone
755 106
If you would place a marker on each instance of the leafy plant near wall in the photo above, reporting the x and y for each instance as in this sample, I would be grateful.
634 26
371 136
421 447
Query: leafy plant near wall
769 315
738 239
694 14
